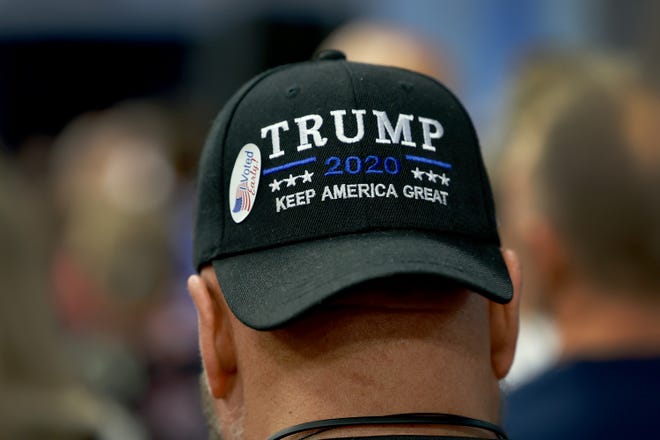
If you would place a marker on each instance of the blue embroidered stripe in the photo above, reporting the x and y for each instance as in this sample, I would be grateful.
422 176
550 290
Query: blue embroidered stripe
429 161
286 166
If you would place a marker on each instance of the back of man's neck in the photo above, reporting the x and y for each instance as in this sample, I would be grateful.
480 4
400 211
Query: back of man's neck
428 386
366 362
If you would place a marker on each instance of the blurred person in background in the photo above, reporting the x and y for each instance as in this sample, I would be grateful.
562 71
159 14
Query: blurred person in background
543 87
131 331
389 45
41 394
595 252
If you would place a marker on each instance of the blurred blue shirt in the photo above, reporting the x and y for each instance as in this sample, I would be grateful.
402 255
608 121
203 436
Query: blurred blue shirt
585 400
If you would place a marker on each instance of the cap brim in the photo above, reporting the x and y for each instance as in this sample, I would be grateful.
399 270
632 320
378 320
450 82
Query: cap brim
268 288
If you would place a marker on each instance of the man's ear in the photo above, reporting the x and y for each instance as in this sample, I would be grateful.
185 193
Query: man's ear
504 321
215 337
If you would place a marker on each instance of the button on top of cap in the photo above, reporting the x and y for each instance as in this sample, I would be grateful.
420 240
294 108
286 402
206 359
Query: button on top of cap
330 54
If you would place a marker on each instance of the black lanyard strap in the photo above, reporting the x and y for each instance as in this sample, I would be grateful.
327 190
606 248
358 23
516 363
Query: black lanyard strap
394 419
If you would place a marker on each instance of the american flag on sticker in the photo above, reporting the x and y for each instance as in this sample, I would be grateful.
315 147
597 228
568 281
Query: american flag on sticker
244 182
243 202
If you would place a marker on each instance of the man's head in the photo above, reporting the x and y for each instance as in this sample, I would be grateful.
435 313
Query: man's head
598 181
345 209
546 86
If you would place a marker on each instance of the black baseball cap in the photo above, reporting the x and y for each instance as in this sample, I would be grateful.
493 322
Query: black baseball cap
320 175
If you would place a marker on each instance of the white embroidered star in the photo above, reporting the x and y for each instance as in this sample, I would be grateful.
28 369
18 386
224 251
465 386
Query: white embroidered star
444 179
307 177
432 176
417 173
291 181
275 185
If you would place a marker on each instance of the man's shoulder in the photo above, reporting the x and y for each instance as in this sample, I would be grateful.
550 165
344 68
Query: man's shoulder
410 437
582 398
586 377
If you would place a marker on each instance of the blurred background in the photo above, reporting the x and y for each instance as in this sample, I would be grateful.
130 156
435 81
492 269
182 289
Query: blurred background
104 107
